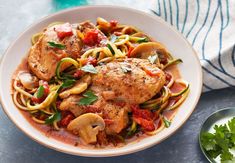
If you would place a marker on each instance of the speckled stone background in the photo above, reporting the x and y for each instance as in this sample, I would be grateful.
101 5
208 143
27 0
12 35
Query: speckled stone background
182 147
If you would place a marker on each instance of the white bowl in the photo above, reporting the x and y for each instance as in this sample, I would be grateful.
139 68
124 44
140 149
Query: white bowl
152 25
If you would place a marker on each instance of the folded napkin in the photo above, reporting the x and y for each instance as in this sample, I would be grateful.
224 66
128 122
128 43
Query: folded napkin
208 25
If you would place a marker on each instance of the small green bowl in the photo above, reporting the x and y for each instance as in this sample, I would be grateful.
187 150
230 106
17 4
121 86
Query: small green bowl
215 118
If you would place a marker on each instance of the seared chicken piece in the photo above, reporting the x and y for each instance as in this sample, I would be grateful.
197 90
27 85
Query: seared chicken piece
115 114
119 82
134 86
43 58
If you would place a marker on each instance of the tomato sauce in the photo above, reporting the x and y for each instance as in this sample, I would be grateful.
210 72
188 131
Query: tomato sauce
64 136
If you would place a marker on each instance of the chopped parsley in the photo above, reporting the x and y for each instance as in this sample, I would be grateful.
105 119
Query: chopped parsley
68 83
40 92
53 118
55 45
88 98
166 122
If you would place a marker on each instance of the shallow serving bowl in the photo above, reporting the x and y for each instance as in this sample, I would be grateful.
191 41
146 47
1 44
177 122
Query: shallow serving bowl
152 25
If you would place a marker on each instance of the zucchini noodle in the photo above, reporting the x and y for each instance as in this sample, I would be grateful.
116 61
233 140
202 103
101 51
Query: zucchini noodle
44 104
122 40
22 91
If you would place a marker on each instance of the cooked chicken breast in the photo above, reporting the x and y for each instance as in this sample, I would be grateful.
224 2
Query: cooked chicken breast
43 58
123 82
134 86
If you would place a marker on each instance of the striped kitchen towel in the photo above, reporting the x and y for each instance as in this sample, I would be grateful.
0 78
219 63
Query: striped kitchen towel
209 25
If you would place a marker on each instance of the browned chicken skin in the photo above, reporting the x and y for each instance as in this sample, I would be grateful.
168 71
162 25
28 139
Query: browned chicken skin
114 86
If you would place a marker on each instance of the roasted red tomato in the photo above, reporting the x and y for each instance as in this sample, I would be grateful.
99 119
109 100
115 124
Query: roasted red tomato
67 117
91 38
129 52
64 30
113 23
143 117
152 71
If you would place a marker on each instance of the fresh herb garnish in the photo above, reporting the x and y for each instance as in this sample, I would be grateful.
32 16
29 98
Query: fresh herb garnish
88 98
145 39
111 49
220 142
166 122
68 83
53 118
55 45
113 38
89 68
126 67
40 91
152 59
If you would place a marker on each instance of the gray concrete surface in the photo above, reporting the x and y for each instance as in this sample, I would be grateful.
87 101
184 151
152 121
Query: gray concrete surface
182 147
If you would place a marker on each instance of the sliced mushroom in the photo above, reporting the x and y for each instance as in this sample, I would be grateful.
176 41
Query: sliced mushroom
78 88
145 50
28 80
87 126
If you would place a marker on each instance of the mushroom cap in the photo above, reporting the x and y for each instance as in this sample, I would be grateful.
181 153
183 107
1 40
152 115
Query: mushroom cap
28 80
87 126
144 50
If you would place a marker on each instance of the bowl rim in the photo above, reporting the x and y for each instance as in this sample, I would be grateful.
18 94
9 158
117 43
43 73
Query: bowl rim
110 154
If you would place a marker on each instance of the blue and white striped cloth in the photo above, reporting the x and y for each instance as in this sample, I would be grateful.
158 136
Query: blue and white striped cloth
209 25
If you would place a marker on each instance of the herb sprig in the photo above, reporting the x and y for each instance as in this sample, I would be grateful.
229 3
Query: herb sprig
56 45
88 98
220 142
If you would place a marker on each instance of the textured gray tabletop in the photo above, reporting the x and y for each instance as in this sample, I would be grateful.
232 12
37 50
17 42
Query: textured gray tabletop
17 147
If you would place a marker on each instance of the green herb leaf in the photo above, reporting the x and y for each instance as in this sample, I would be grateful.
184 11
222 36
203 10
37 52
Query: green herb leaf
55 45
68 83
208 141
88 98
226 155
220 142
166 122
145 39
89 68
111 49
40 91
53 118
231 125
113 38
126 67
152 59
